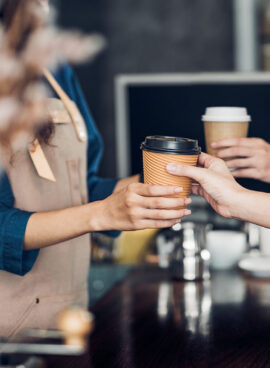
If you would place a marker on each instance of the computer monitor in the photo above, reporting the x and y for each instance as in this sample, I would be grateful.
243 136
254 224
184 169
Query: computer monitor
173 105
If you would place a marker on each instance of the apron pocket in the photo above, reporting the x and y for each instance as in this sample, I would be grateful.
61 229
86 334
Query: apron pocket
14 329
42 312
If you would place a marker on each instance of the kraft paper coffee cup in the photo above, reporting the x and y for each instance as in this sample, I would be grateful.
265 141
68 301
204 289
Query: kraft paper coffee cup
224 122
159 151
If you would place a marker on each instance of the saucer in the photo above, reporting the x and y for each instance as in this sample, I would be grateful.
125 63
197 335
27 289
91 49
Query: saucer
258 266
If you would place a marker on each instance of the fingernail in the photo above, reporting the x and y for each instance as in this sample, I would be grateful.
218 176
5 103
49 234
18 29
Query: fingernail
187 212
171 168
188 201
178 189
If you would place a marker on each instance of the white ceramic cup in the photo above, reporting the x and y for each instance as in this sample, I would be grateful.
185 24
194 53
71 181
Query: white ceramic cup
265 240
226 248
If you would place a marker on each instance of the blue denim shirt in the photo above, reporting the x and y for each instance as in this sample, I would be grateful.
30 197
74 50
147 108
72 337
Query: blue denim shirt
13 221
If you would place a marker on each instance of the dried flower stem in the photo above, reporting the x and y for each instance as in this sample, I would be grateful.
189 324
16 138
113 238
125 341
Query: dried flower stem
28 44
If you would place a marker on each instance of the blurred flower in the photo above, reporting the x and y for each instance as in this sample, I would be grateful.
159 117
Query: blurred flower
48 47
9 110
30 44
10 67
76 48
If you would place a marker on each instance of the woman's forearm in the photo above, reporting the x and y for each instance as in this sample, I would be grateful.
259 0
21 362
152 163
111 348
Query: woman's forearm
49 228
135 207
253 207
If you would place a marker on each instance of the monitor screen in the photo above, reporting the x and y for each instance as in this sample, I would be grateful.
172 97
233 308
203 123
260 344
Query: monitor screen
176 109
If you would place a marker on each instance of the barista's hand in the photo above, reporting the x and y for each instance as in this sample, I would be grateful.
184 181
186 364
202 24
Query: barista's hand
141 206
214 182
253 157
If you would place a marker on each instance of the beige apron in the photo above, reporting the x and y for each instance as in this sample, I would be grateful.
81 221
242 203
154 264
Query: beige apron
59 276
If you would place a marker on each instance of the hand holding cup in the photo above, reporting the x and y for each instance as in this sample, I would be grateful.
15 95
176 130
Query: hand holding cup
142 206
253 157
223 123
159 151
214 182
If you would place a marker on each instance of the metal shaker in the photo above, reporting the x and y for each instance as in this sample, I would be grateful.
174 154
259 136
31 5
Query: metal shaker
190 259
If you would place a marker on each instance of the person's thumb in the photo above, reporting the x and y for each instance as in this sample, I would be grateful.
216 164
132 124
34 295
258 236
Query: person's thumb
196 173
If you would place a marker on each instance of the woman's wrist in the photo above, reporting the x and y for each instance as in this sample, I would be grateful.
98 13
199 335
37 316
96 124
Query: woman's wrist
95 216
239 202
250 206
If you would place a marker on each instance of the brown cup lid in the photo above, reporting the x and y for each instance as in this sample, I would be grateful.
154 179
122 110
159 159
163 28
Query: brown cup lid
173 145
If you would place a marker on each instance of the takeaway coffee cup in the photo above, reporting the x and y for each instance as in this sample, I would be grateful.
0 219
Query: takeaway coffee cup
224 122
159 151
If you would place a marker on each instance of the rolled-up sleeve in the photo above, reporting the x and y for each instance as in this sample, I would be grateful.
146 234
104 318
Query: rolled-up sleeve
13 223
100 188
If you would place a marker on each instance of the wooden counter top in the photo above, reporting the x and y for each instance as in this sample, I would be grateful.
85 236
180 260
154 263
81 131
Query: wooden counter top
150 321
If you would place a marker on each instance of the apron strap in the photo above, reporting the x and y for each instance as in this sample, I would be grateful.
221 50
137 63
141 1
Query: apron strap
36 152
40 162
71 107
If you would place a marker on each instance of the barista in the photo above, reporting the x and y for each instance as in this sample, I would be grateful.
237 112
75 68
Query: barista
51 199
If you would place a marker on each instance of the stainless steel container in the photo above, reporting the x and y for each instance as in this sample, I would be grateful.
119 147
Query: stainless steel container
190 259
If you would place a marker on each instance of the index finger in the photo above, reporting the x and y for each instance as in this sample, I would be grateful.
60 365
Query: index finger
229 142
205 160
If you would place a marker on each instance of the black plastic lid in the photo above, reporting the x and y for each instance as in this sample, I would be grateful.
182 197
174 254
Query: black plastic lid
173 145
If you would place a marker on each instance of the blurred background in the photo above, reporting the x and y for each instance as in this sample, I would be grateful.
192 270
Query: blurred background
152 44
154 36
147 36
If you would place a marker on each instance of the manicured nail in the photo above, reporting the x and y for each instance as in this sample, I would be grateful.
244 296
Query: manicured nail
188 201
187 212
178 189
171 168
213 144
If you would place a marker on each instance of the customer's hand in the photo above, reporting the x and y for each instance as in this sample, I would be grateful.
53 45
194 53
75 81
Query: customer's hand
253 157
141 206
214 182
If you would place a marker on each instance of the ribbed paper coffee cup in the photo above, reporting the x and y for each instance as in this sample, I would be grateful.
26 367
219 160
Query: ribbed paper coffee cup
159 151
224 122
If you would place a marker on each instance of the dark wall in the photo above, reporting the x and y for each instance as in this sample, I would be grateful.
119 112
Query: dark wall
147 36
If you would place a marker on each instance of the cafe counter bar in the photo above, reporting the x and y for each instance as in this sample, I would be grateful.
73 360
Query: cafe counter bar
151 321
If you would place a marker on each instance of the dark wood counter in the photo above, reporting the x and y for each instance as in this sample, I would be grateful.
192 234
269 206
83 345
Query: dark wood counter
150 321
